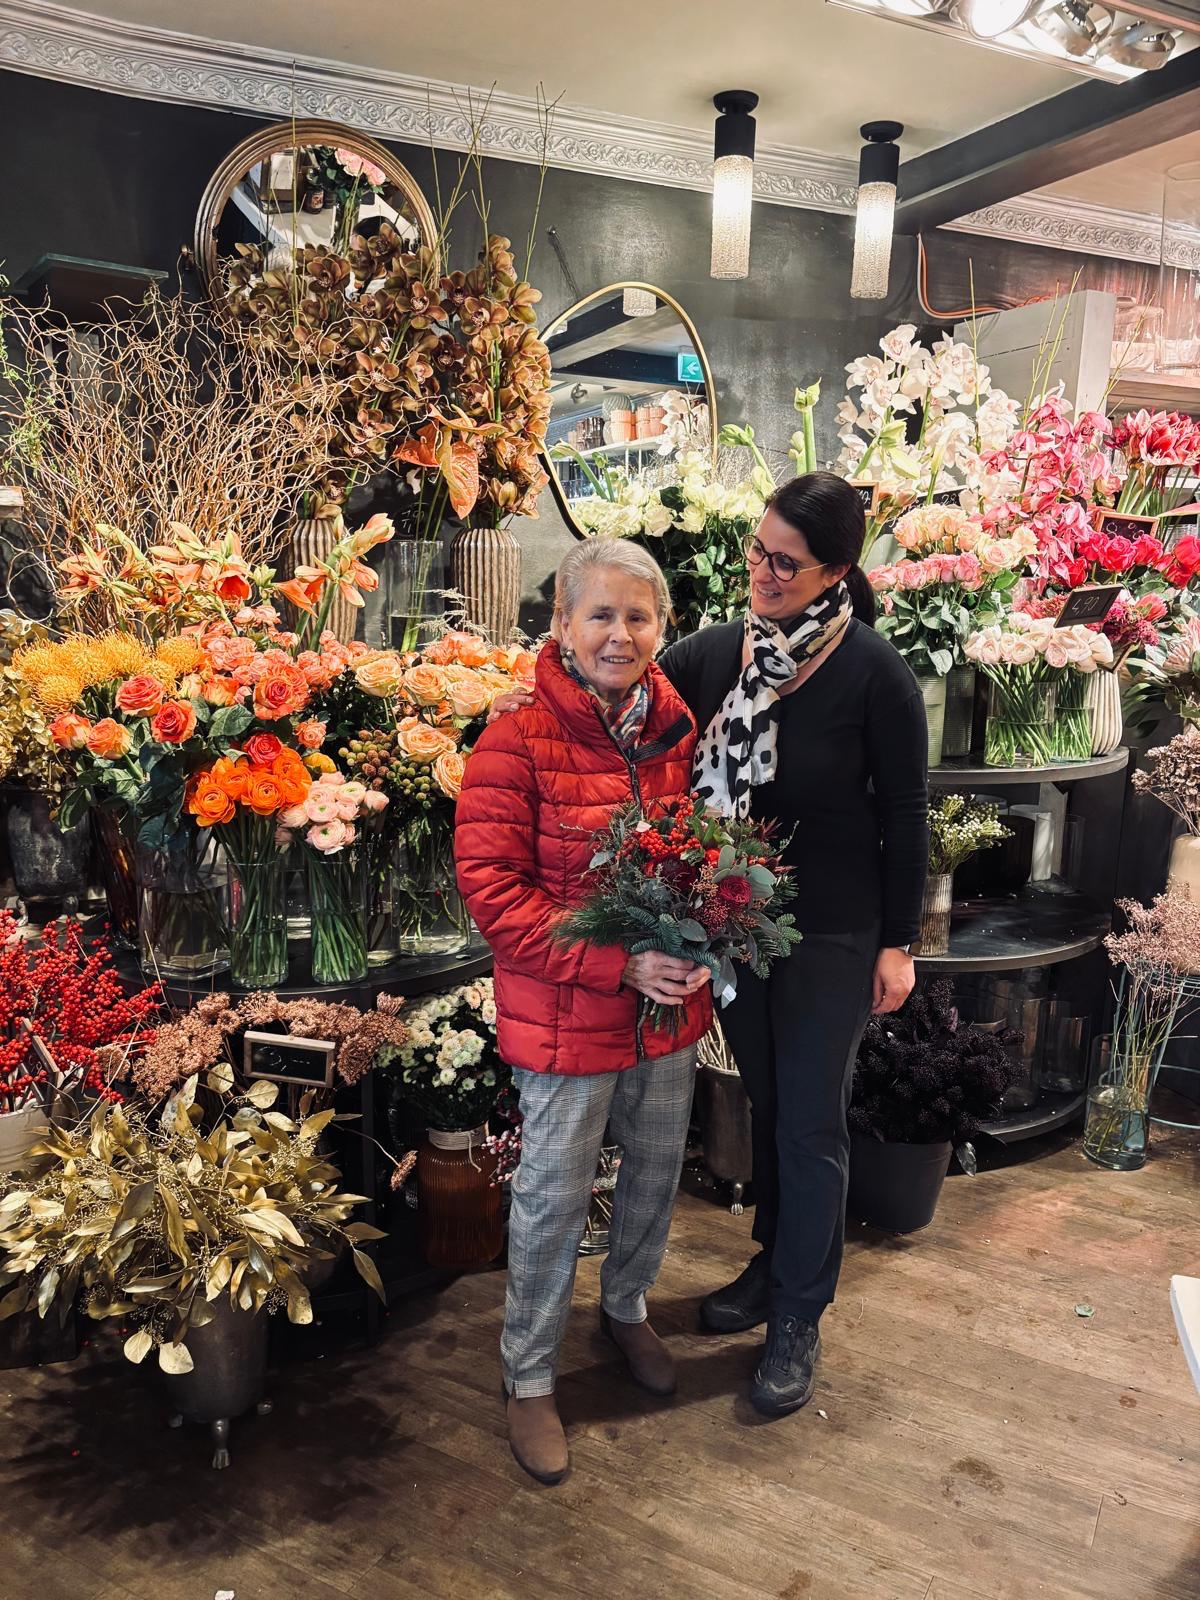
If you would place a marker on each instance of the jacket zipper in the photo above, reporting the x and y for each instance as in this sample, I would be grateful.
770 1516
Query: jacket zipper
636 788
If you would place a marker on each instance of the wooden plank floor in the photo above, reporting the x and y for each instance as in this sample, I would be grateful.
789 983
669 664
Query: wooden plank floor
971 1436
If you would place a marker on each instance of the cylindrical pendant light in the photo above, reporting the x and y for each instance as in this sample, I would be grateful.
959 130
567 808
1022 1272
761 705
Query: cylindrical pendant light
878 170
733 183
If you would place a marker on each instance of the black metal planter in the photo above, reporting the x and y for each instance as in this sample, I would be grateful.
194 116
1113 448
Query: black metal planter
895 1186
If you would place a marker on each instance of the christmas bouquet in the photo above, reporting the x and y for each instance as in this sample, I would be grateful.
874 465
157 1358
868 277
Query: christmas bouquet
692 885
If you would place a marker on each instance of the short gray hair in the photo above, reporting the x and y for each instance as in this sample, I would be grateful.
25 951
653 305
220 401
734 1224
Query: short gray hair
591 555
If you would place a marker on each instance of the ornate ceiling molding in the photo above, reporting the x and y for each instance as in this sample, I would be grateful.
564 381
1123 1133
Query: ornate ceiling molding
57 41
1078 225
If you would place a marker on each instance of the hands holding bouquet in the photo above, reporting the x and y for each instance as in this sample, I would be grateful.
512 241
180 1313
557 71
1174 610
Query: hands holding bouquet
687 894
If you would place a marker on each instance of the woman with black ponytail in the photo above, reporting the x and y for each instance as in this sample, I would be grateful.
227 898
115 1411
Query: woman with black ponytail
809 718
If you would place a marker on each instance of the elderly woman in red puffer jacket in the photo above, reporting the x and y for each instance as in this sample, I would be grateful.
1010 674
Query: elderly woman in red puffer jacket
605 727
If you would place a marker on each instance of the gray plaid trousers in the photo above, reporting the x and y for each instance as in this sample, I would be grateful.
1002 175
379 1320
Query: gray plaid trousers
565 1116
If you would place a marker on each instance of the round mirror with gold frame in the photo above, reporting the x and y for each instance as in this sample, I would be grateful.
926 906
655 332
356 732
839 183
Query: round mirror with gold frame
302 183
631 390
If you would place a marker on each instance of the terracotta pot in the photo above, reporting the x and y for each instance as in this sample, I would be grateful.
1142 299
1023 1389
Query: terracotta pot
485 568
458 1204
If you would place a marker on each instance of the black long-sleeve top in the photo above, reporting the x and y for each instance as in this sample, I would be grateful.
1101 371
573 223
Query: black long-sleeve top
850 782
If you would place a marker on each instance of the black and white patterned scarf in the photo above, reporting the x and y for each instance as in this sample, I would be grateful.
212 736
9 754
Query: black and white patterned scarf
737 751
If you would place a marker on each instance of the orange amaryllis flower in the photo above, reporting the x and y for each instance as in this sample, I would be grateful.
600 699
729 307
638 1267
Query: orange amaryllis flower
84 572
423 450
231 585
305 594
376 530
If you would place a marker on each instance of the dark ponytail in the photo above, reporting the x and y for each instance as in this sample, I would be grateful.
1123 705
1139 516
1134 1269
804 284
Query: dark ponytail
829 512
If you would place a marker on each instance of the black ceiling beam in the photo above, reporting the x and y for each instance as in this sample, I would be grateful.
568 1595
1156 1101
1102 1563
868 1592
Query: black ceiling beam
1069 133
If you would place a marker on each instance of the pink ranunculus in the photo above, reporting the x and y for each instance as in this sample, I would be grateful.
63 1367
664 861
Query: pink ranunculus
374 800
319 807
1057 654
295 816
329 836
347 810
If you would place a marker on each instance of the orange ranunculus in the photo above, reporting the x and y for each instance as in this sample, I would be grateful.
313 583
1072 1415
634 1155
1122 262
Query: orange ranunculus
69 731
208 802
230 775
108 739
426 684
264 795
140 696
422 743
219 691
173 722
470 697
292 776
448 772
280 692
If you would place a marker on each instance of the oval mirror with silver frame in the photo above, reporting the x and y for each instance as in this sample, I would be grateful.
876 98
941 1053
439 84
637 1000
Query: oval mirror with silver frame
630 389
302 183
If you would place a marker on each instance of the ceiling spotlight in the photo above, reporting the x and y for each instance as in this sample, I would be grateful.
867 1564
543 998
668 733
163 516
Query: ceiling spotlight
1073 26
1141 46
878 170
988 19
733 183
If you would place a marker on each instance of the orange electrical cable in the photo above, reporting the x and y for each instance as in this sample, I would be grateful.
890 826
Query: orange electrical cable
965 311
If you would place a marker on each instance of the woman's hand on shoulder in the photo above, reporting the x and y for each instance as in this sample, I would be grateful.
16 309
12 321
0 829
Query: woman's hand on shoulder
893 980
510 700
664 979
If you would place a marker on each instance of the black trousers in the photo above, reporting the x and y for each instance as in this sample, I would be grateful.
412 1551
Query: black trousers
794 1036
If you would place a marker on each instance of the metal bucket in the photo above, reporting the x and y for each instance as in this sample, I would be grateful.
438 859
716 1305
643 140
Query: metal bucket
228 1376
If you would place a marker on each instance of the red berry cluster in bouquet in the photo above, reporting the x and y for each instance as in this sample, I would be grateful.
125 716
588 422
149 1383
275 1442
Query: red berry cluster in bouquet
690 884
68 997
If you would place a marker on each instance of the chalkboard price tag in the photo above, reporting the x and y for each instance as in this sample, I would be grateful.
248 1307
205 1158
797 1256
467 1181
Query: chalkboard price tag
280 1058
1088 605
868 493
1122 525
946 497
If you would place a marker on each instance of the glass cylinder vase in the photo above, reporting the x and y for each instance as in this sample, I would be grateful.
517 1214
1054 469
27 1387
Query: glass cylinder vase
1072 727
1116 1133
183 907
116 855
337 900
378 846
960 712
258 956
459 1203
935 914
1020 720
1179 274
430 916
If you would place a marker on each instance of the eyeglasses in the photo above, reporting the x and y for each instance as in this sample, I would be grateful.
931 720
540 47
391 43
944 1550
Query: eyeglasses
783 568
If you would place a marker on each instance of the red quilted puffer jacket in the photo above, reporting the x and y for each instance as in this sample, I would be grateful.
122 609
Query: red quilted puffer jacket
539 784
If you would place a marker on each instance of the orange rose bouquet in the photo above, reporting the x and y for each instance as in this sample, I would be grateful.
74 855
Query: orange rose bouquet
242 797
415 756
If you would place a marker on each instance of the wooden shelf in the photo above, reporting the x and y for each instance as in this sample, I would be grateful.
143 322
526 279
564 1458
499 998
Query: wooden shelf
1157 391
622 447
963 772
1039 927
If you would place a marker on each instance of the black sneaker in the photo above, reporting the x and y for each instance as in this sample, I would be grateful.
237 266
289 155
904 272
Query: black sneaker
786 1373
741 1304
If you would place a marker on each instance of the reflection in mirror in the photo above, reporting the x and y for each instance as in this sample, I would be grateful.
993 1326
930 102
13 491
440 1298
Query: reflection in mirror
631 393
306 184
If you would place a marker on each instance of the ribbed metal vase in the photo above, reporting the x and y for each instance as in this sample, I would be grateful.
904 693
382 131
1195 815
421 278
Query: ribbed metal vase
312 540
485 568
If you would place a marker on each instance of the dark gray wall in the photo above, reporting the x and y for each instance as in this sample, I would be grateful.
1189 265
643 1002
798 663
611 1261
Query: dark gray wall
118 179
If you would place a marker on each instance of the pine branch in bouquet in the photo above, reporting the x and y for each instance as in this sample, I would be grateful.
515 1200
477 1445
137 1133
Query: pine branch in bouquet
691 885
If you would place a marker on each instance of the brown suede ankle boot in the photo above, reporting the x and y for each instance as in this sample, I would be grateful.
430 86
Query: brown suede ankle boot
536 1437
649 1361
